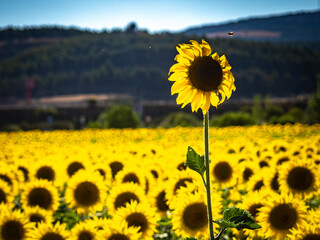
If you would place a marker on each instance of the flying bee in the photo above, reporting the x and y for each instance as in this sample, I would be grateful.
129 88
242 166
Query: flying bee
230 33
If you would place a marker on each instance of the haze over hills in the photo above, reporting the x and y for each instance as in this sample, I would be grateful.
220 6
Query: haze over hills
302 26
71 61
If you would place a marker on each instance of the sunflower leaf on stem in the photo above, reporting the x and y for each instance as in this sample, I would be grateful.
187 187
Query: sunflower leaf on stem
195 161
238 218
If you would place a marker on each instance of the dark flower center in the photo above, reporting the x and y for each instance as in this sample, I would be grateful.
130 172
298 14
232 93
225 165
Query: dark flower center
283 217
40 197
195 216
222 171
3 197
46 173
131 177
118 236
247 173
85 235
275 183
12 230
115 168
254 209
52 236
181 183
124 198
205 73
300 179
161 202
137 220
312 237
86 193
36 218
74 167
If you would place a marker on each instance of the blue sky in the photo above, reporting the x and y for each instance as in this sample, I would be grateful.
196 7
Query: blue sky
172 15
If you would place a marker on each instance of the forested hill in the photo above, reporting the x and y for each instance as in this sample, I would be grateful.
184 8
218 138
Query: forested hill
137 63
302 26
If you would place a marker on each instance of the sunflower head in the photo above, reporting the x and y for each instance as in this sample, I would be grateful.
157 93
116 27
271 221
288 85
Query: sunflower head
200 77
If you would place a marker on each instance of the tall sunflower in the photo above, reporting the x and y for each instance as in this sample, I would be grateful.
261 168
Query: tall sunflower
37 215
6 196
200 77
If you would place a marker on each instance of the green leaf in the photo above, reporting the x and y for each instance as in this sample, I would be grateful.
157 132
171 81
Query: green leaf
238 218
195 161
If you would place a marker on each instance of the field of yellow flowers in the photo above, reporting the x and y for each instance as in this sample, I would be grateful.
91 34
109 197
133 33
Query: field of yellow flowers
133 184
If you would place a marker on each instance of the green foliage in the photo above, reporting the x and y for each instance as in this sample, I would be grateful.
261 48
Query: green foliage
180 119
238 218
137 64
119 117
232 119
195 161
283 119
313 111
257 108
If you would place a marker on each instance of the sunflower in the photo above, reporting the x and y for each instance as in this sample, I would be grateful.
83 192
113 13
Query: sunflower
189 215
305 232
300 178
40 193
9 175
272 179
124 193
252 202
257 181
98 223
117 229
200 77
224 172
83 231
104 170
178 179
6 196
158 199
280 214
131 173
14 225
74 164
37 215
47 169
115 166
47 231
140 215
86 191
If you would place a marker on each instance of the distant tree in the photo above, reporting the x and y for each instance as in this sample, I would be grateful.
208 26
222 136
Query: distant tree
131 28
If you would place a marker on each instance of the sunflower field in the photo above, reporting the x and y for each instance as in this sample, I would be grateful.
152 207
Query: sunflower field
133 184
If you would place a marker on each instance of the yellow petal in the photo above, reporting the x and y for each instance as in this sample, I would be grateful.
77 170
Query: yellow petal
225 62
177 76
223 97
183 95
215 57
214 99
178 86
178 67
197 101
225 89
186 53
197 46
189 98
206 49
206 104
181 59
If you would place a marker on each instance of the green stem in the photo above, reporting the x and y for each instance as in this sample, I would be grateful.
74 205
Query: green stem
208 185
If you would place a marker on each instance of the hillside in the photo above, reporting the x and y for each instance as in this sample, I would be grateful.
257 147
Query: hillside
282 28
66 61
